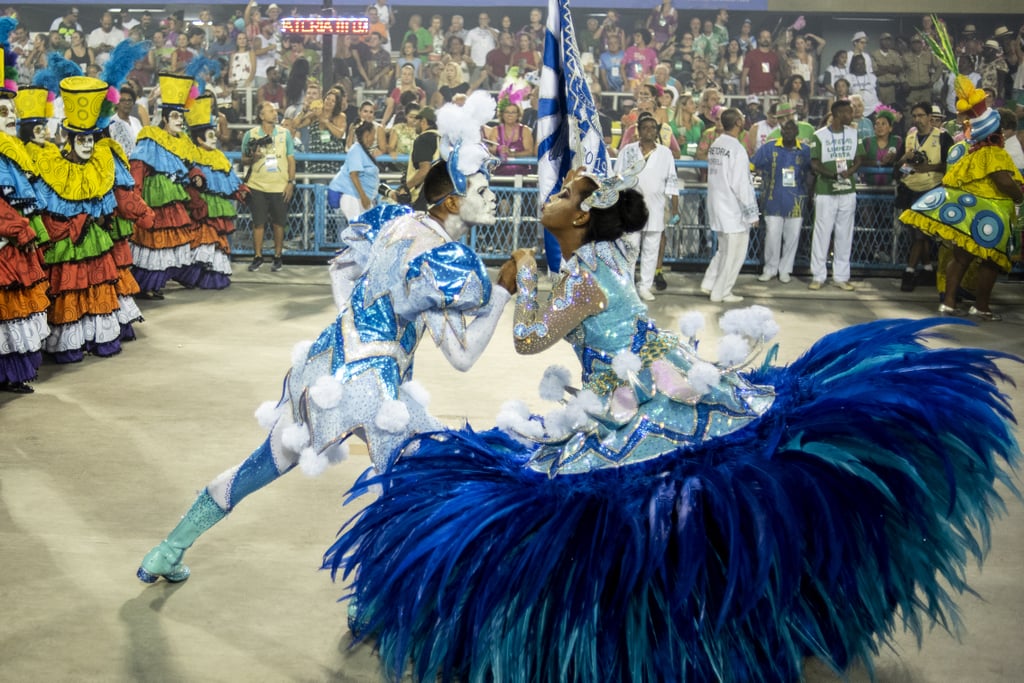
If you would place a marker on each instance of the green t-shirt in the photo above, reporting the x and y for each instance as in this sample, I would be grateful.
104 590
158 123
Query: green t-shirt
424 40
804 133
837 151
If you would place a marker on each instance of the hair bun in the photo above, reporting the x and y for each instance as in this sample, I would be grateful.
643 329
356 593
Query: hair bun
632 210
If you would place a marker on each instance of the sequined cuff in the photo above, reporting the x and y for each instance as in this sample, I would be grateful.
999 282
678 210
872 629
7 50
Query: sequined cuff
526 288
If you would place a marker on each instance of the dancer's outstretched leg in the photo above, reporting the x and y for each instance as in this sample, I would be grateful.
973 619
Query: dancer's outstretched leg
212 505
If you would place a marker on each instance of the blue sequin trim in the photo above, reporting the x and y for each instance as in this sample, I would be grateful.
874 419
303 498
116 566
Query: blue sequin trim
385 367
522 331
375 322
451 265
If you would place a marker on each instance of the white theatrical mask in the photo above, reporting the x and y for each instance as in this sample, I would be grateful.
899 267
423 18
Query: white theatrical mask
83 146
209 139
479 206
175 122
39 134
8 117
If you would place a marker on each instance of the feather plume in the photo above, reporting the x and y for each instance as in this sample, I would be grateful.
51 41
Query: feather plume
122 60
57 69
846 513
203 69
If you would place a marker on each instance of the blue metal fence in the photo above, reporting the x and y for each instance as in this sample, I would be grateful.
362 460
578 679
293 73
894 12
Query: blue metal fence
314 229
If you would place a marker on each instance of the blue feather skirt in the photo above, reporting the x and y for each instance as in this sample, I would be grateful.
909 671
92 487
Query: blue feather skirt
849 510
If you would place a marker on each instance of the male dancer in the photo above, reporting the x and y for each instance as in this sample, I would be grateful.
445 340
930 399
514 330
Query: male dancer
402 274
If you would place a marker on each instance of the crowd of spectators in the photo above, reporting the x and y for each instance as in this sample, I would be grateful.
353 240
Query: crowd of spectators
683 70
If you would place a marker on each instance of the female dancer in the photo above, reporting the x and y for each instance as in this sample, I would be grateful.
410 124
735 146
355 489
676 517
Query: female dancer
973 210
677 519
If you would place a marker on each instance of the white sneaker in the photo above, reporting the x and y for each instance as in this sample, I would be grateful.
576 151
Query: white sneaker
844 285
728 299
814 285
765 277
645 294
784 278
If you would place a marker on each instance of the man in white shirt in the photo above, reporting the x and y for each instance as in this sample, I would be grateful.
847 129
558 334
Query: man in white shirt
657 182
480 41
124 126
732 208
104 38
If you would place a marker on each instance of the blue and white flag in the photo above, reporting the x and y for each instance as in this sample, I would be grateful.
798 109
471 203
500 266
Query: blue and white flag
568 128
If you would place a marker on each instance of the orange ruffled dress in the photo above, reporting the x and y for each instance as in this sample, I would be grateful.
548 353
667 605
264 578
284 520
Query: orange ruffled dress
83 313
161 166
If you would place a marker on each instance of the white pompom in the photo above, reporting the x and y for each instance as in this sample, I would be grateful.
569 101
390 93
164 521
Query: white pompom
295 437
732 350
754 322
326 392
392 417
691 323
415 391
514 418
337 453
511 412
312 463
268 413
589 402
558 423
552 385
300 352
626 363
703 377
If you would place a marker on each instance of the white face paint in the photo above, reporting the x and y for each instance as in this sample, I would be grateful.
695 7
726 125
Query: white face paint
39 134
479 205
8 118
209 139
84 146
175 122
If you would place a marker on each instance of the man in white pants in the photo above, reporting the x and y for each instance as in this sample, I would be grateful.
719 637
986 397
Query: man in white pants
835 160
732 208
783 163
657 182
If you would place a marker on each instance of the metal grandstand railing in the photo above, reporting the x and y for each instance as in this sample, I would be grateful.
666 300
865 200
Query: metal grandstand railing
314 230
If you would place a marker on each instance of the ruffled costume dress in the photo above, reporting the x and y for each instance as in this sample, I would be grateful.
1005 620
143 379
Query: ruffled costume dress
675 523
131 213
210 247
23 283
968 210
161 165
83 313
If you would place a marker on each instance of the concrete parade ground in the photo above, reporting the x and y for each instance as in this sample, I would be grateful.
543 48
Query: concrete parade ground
101 461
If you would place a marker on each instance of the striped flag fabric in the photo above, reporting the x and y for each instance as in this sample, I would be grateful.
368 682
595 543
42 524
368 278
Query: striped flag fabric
568 128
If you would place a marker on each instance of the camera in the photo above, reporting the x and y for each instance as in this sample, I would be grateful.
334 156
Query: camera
918 158
257 144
